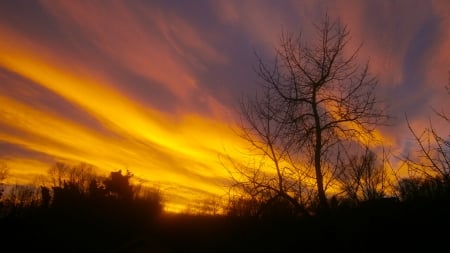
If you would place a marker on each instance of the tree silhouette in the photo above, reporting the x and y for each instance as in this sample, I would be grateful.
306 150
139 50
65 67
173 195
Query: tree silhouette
4 171
433 153
118 185
282 182
71 184
316 99
45 196
362 178
429 169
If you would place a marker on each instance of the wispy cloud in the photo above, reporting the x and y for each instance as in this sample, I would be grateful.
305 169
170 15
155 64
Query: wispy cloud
181 149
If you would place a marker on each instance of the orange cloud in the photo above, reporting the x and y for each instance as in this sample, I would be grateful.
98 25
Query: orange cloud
181 151
160 47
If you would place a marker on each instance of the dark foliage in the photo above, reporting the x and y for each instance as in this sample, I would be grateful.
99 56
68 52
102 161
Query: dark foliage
99 221
101 218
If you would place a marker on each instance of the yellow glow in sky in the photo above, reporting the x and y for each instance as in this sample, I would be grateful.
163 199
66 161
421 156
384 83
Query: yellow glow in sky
172 150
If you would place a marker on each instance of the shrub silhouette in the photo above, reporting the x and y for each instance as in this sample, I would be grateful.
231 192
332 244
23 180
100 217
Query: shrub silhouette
424 189
118 185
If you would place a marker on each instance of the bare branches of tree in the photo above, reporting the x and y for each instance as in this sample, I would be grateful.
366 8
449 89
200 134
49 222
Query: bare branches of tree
433 157
429 166
79 175
4 171
315 97
363 177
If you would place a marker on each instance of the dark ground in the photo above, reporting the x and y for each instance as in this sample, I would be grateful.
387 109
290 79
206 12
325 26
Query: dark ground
403 228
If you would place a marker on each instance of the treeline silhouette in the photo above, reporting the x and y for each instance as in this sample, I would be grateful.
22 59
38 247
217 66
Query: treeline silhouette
82 212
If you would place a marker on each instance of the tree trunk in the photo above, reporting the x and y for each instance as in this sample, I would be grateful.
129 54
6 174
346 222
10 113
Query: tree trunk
323 203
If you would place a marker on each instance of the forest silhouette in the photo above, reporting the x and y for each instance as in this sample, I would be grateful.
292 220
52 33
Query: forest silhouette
87 214
313 124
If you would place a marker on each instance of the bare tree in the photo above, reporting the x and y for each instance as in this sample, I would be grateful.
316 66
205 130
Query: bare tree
22 196
363 177
4 171
433 149
78 176
58 173
271 177
433 154
429 166
316 98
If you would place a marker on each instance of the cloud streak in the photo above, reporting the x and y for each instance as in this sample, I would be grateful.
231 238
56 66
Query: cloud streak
180 149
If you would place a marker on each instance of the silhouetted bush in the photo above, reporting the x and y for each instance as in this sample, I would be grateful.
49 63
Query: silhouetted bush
420 189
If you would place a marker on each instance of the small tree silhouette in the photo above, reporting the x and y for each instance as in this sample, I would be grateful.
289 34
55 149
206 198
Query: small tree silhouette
420 189
429 169
118 185
362 178
3 175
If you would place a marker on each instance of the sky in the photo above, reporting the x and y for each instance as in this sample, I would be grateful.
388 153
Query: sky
152 86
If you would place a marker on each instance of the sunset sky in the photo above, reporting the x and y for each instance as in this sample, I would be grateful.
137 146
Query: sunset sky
152 86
